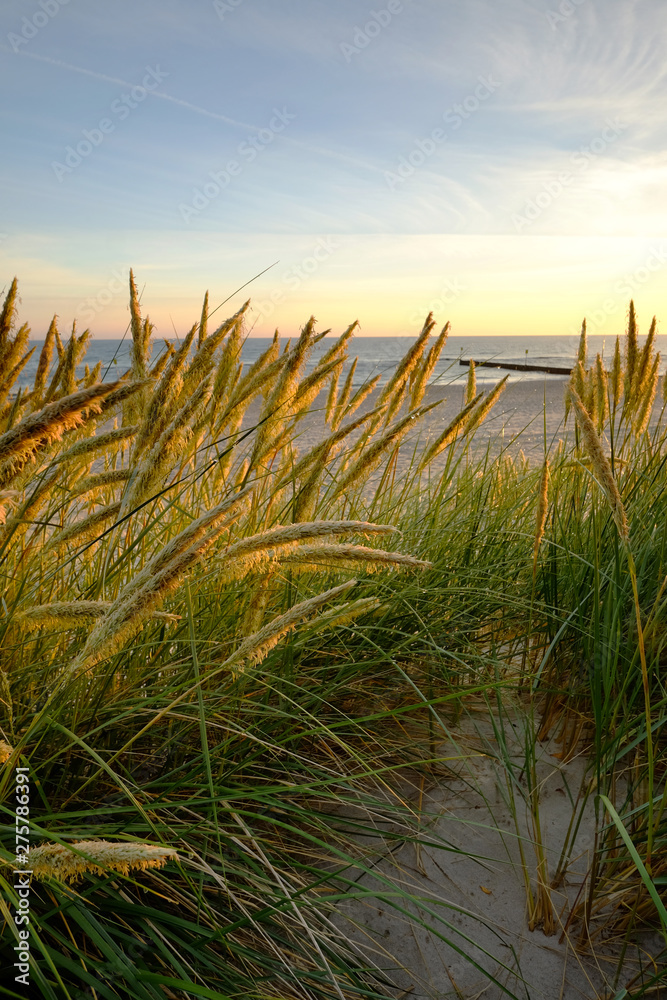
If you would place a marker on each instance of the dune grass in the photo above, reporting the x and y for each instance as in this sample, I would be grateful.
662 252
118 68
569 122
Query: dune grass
220 649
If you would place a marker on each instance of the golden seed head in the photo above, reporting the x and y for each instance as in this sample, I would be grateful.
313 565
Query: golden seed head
601 465
70 863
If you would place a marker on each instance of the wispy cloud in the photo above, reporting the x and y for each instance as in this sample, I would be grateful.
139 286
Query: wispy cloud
559 83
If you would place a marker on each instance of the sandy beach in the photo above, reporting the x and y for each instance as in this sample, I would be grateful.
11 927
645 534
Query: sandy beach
517 423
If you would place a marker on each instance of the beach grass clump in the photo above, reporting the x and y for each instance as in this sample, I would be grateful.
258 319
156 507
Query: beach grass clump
157 525
223 634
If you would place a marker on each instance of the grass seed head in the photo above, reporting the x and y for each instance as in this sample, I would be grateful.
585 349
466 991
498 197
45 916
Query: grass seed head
617 375
601 465
47 426
255 647
68 864
630 350
471 385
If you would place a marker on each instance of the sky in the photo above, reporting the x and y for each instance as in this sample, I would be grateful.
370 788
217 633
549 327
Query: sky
502 163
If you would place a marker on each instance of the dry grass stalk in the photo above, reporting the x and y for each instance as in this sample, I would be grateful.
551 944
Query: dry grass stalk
590 399
305 504
427 368
76 348
630 350
649 389
160 408
601 394
273 414
343 614
5 752
253 554
159 460
70 615
256 646
162 362
577 381
52 389
617 375
43 366
228 510
229 371
329 366
140 352
318 455
259 597
99 443
129 612
70 863
8 498
601 466
146 590
406 374
84 529
91 377
203 322
410 362
339 557
449 434
310 387
48 425
344 397
203 362
258 379
20 520
7 314
371 457
59 344
643 367
100 480
582 352
362 393
235 558
541 513
332 397
13 366
337 349
471 384
126 388
483 408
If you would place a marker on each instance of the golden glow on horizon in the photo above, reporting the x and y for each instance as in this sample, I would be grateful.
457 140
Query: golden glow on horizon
505 285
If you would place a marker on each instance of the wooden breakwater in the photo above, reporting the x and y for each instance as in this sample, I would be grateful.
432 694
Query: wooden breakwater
517 367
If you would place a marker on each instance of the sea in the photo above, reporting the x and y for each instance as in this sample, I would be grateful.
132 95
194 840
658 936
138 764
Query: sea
381 355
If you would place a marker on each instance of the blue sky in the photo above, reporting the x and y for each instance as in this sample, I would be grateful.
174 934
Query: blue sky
504 158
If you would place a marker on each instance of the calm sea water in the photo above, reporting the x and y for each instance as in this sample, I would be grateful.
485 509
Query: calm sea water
380 355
